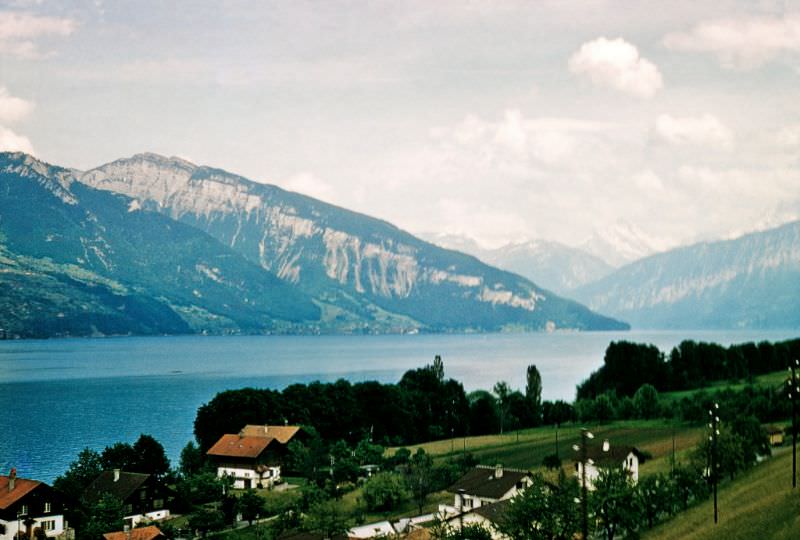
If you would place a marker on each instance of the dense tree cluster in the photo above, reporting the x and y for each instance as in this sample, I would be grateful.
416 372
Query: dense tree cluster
422 406
627 366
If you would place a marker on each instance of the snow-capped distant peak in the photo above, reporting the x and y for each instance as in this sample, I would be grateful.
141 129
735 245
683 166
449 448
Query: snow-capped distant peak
621 243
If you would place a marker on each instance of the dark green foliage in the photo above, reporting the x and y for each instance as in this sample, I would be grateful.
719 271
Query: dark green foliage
645 402
533 393
628 366
105 515
150 456
200 488
615 505
385 491
327 519
557 412
552 462
80 474
251 506
420 477
191 460
205 521
543 511
119 456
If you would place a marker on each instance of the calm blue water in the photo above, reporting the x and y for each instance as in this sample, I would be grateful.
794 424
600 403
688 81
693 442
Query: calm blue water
59 396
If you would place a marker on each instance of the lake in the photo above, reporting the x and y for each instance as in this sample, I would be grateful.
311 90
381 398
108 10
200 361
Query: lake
60 396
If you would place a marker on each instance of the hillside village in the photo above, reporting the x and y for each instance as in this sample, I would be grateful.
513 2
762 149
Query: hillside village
253 458
621 476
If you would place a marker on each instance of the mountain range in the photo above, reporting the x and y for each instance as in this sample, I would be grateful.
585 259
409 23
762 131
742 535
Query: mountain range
748 282
553 265
156 245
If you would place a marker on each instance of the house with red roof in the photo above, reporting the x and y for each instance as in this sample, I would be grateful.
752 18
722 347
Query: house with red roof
27 505
253 457
150 532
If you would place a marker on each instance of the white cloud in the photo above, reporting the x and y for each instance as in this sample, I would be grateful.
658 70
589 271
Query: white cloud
18 30
705 130
308 184
13 109
11 142
615 63
741 43
789 136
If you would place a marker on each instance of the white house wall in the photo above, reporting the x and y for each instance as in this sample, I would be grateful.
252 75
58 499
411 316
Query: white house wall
12 526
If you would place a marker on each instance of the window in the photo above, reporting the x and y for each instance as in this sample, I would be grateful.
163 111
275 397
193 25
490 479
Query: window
48 508
143 494
23 510
158 504
128 508
49 525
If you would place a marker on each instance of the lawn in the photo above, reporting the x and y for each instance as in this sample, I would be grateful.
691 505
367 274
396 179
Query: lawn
774 380
758 504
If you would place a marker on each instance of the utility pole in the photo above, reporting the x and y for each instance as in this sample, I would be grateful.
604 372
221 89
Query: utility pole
714 426
585 436
794 393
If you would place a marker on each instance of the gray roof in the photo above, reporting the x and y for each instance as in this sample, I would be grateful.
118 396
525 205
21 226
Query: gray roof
483 482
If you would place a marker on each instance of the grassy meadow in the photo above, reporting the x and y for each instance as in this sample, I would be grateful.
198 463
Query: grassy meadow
757 504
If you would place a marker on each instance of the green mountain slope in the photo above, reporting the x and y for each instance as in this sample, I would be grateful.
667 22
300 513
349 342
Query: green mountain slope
356 265
79 261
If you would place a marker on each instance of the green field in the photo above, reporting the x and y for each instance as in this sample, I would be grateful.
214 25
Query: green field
758 504
773 380
526 449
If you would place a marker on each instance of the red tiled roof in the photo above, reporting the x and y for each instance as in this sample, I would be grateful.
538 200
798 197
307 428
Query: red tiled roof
22 487
239 446
143 533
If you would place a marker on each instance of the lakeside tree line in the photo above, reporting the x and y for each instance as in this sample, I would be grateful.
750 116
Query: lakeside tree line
627 366
423 406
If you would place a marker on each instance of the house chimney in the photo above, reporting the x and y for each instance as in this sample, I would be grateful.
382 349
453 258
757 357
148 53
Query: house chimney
498 470
12 479
116 475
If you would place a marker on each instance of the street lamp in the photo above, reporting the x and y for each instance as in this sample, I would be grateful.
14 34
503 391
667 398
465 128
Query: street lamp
794 393
585 436
713 425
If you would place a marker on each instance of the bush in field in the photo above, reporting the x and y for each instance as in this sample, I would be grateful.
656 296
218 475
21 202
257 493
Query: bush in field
385 491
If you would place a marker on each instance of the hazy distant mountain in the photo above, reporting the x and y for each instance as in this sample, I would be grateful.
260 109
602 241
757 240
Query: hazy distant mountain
552 265
749 282
364 273
620 244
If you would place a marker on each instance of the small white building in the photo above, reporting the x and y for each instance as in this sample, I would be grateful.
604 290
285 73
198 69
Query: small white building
27 505
627 458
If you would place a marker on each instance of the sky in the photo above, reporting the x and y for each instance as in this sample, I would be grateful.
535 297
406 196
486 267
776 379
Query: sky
501 121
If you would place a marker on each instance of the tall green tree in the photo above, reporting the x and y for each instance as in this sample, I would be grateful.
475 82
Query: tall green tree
502 391
542 511
645 401
420 477
533 391
150 456
384 491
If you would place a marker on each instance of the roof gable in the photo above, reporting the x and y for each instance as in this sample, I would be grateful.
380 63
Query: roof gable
484 482
240 446
282 434
150 532
122 488
615 455
22 487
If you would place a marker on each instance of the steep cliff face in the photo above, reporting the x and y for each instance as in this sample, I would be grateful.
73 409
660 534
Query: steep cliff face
748 282
348 261
79 261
